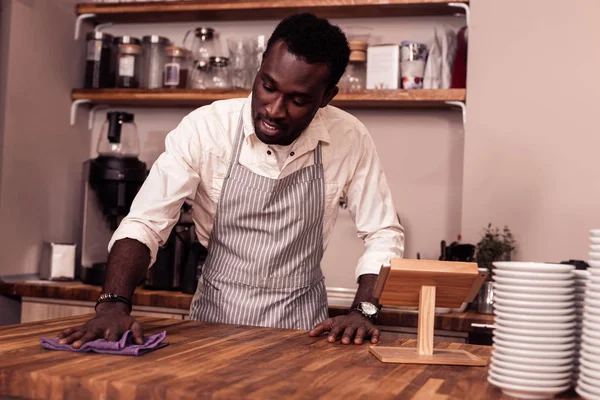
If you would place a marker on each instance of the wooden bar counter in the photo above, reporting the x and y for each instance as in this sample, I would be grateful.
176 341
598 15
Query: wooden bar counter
77 291
228 362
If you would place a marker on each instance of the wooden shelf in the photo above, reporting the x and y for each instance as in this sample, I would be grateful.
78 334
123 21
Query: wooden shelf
194 98
203 10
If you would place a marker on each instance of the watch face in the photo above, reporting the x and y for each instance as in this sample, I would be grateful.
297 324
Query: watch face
369 308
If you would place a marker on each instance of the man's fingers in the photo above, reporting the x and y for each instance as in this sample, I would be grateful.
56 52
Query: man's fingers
111 335
348 335
66 333
138 333
335 333
374 333
360 335
324 326
88 337
72 337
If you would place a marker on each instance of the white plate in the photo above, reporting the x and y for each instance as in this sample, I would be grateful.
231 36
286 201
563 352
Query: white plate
546 283
540 368
533 339
504 371
534 318
594 358
594 247
502 294
591 367
546 362
543 354
534 305
500 287
594 232
500 343
581 273
532 266
535 332
588 331
535 311
542 326
587 316
588 346
588 388
533 275
593 312
584 394
529 382
594 263
527 392
590 301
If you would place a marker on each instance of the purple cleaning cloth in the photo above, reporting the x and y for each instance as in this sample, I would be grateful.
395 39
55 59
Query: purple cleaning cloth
124 347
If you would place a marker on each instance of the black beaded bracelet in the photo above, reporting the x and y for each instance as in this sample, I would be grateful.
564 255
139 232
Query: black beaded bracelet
113 298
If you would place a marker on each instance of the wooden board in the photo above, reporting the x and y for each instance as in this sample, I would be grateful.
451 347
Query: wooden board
403 355
423 98
453 282
227 361
207 10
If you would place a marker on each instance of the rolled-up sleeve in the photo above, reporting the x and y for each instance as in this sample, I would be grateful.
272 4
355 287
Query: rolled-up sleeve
173 178
370 204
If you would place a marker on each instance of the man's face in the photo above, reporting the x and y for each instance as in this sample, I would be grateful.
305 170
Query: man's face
286 95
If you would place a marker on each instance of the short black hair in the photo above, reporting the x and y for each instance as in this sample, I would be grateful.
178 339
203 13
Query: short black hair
314 40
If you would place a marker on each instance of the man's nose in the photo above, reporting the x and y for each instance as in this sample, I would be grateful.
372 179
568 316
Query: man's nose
276 108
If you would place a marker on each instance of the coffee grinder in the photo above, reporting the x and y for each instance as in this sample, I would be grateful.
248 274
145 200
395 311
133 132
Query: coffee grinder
111 182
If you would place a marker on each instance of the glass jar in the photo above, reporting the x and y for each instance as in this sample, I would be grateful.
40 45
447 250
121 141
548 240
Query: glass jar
176 69
200 75
355 77
98 74
128 66
219 73
153 61
204 44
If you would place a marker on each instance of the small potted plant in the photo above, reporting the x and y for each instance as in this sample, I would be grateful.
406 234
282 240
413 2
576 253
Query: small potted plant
495 245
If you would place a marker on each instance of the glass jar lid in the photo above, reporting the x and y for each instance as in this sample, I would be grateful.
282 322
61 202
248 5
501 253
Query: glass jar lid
97 35
126 40
155 39
176 51
219 61
134 49
205 33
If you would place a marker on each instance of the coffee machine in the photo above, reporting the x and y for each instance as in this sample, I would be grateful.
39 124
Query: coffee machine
111 182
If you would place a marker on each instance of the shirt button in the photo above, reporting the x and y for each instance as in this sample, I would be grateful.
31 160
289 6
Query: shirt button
269 152
292 154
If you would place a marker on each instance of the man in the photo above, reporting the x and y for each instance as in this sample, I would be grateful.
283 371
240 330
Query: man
266 175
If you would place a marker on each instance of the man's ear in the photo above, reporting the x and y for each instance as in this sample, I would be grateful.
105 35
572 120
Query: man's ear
329 95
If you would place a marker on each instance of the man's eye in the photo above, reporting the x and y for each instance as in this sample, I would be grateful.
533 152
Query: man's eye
299 103
269 89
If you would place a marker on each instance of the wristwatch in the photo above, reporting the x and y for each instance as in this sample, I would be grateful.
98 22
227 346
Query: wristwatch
367 309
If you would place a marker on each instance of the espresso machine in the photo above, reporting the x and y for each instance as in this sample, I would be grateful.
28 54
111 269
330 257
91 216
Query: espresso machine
111 182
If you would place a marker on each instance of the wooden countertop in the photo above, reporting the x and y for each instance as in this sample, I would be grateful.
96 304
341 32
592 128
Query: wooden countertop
228 361
457 322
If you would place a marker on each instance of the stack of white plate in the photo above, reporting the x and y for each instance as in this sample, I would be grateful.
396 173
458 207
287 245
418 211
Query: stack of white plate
588 384
535 320
581 281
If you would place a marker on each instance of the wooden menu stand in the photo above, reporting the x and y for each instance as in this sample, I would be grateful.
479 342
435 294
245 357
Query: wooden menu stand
427 283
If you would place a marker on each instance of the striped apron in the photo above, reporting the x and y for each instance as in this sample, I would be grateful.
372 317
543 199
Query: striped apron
263 264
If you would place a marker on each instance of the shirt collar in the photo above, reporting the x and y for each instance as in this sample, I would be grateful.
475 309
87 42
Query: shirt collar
315 132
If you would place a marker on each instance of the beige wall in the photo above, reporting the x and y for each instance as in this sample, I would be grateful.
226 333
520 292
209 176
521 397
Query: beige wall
532 137
41 155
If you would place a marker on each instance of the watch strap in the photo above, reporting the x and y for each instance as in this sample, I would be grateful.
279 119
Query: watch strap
113 298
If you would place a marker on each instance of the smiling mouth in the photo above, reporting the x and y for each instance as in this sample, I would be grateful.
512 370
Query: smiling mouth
270 129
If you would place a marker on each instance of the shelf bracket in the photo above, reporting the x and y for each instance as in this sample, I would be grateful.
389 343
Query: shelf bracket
463 108
74 106
465 7
79 21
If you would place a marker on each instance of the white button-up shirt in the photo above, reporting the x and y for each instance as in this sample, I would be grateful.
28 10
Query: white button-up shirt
197 155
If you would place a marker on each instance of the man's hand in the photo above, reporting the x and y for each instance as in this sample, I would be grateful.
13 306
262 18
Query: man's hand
110 322
354 327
